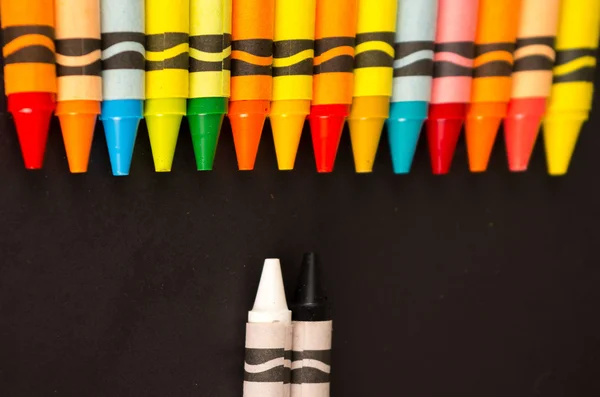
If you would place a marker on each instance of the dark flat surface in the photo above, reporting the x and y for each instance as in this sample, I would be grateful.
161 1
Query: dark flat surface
465 285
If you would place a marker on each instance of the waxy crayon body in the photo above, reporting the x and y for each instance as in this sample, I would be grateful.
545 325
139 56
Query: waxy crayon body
167 78
413 68
573 84
78 59
210 64
251 75
452 78
497 27
333 80
267 363
123 78
292 75
30 72
531 79
373 62
311 347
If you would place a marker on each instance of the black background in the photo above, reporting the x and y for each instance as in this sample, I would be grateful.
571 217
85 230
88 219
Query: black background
463 285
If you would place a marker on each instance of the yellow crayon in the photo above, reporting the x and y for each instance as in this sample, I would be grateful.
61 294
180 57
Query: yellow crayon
573 85
167 48
373 73
292 75
210 75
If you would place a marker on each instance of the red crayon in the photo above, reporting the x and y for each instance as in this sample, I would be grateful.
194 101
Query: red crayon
452 77
30 72
335 31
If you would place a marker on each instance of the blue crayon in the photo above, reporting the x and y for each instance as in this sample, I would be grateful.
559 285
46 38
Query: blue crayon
413 70
123 77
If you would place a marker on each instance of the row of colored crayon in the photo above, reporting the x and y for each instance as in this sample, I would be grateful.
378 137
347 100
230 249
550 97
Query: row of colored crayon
444 63
288 352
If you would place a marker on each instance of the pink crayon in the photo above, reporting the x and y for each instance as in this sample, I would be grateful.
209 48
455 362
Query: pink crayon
452 76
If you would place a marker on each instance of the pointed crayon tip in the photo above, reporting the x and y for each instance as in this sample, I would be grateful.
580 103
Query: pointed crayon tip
205 117
32 131
32 113
521 128
163 131
520 134
481 135
326 127
560 139
403 137
287 122
442 137
121 120
120 138
78 134
270 304
365 134
310 302
247 121
205 130
287 131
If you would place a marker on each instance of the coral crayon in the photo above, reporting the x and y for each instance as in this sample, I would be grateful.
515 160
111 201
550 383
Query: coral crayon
497 27
292 76
167 78
413 69
452 78
531 79
373 62
333 81
123 75
251 75
30 72
268 332
573 84
311 347
210 60
78 59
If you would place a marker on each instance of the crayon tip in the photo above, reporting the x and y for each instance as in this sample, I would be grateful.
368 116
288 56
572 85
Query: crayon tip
205 130
521 127
310 302
483 122
120 139
205 117
32 130
403 137
163 131
404 128
163 119
247 121
270 304
442 137
287 122
326 125
121 119
77 122
560 139
32 113
520 134
366 121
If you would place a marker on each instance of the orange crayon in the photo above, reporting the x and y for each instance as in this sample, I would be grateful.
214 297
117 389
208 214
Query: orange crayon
29 72
78 48
251 80
497 28
333 81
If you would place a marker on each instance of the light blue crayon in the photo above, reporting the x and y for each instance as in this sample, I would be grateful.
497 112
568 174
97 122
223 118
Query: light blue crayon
123 78
413 69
